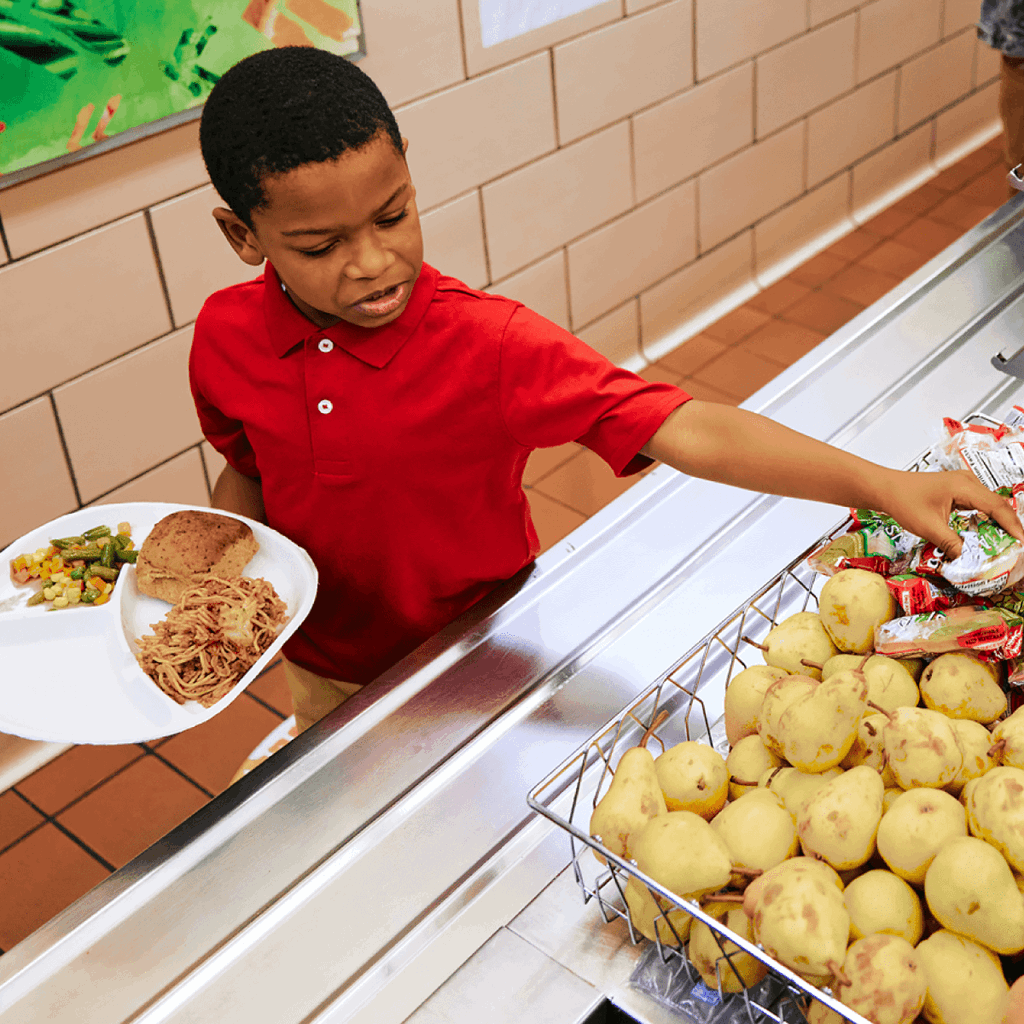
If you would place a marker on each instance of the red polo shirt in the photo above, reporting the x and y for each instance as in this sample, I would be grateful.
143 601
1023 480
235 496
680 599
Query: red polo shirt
395 455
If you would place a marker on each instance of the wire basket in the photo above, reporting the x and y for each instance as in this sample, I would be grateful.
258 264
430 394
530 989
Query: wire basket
681 697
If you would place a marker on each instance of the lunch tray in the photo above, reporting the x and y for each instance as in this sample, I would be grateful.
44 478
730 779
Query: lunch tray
569 794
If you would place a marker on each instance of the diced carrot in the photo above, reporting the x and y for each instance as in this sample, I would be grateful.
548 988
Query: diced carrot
102 599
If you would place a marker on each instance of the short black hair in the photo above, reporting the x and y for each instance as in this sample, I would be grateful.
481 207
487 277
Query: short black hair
279 109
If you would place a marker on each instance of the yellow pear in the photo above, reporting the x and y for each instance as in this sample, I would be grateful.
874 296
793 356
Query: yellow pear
965 981
632 799
839 823
819 1013
915 828
882 980
960 685
869 748
682 852
995 812
815 731
796 787
970 890
800 638
1008 740
879 901
651 920
758 832
693 776
799 916
851 604
748 760
975 742
921 748
735 971
890 684
743 697
777 699
915 666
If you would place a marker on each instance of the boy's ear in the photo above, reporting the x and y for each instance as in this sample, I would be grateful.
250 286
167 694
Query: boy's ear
239 235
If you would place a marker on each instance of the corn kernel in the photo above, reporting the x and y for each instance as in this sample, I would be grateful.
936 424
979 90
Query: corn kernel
95 582
74 596
108 587
49 593
60 602
124 527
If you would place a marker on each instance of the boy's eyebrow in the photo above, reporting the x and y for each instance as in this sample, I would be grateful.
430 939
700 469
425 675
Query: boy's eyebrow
330 231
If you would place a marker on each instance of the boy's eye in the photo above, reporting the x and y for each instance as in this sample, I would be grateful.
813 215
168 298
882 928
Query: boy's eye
318 252
390 222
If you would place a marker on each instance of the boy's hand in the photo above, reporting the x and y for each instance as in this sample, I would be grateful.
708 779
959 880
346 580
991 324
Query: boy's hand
922 502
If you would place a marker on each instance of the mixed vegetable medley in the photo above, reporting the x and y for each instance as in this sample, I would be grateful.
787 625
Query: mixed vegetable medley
79 570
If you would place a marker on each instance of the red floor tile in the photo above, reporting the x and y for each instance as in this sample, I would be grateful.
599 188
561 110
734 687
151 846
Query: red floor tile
543 460
989 189
658 373
551 519
961 212
888 222
855 244
132 810
823 311
861 284
16 818
818 269
585 484
927 236
736 325
707 393
781 342
272 688
738 377
920 201
211 753
895 259
780 296
67 777
39 877
691 355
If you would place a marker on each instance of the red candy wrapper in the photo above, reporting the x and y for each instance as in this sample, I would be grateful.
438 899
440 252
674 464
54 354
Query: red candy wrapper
991 633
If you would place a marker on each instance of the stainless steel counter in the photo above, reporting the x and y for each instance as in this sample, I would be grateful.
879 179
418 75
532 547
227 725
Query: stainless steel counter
385 863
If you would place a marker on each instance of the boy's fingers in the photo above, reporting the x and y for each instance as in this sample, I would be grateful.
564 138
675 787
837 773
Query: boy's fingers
950 543
1002 512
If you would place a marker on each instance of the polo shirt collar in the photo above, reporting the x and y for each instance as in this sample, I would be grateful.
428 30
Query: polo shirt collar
375 346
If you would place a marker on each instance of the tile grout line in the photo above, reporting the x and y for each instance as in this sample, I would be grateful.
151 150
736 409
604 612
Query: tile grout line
50 819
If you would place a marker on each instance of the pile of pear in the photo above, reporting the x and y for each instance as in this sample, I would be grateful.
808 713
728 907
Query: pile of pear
866 829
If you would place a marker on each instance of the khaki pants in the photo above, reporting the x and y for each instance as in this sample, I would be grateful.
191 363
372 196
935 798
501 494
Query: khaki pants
1011 110
313 696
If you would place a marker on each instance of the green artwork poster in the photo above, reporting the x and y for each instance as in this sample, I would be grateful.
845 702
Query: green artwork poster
77 73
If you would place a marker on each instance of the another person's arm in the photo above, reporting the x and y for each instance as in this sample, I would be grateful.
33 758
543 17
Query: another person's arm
733 446
234 492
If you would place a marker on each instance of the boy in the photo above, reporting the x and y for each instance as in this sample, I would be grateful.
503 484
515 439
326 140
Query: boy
381 414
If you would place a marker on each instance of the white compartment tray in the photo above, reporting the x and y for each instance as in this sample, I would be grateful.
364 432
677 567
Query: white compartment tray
71 676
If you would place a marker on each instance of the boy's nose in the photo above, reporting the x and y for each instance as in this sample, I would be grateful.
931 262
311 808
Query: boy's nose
368 259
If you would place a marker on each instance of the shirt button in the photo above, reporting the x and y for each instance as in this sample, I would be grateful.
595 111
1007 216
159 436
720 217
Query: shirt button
325 405
326 345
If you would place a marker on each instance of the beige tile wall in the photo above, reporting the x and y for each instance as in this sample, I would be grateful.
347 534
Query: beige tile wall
631 172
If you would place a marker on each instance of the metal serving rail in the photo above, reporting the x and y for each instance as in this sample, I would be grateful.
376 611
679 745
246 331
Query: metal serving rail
385 863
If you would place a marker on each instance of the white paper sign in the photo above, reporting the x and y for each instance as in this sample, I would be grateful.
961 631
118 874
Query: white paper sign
506 19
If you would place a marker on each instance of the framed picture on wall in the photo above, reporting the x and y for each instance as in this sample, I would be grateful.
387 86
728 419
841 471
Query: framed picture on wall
81 76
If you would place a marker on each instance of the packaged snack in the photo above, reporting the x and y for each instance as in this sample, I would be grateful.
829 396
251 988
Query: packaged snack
916 594
991 633
994 454
875 542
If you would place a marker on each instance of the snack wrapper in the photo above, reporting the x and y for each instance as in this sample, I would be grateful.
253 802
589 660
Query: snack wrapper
875 542
916 594
995 455
991 633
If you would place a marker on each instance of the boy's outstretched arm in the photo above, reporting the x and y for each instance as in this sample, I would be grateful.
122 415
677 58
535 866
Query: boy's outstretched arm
733 446
234 492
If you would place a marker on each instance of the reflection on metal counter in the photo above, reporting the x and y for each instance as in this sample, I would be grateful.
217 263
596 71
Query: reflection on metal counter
385 863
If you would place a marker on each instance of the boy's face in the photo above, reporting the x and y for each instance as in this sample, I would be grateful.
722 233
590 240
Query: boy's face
343 235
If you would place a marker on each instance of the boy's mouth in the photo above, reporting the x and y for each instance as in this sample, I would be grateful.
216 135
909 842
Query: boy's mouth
383 302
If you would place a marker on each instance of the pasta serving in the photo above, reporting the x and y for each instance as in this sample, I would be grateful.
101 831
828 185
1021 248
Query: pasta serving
211 637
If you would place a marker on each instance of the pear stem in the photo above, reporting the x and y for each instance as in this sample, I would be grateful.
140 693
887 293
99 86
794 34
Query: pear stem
724 897
754 643
744 782
650 729
748 872
879 709
997 748
837 973
812 664
867 657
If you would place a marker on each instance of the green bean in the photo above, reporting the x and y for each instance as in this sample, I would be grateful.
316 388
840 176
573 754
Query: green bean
128 556
107 558
96 532
66 542
36 598
122 540
90 554
103 572
77 574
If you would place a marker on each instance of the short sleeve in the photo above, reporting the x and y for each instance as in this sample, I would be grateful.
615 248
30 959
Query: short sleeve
555 389
225 433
